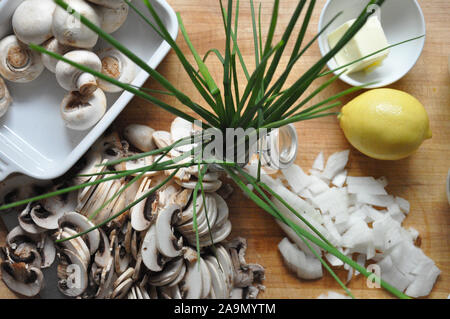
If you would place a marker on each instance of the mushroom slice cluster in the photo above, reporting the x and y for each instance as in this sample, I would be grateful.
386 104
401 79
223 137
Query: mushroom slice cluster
211 218
148 252
23 257
22 278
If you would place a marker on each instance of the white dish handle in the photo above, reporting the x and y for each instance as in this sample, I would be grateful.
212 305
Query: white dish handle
6 168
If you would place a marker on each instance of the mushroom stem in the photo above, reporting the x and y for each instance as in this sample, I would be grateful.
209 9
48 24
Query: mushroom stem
86 83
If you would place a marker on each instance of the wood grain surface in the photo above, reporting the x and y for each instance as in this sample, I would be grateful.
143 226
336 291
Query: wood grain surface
420 178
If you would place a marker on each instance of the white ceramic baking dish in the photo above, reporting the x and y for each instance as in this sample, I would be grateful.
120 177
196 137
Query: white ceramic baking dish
33 138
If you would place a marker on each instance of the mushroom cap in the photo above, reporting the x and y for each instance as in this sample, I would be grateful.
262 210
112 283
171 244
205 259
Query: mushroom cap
112 19
140 136
32 21
54 46
71 78
82 112
116 65
5 98
17 62
69 30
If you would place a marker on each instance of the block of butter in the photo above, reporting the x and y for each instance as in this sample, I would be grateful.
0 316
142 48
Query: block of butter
369 39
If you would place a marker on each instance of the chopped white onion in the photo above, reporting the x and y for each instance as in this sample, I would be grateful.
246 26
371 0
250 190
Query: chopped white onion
351 219
335 164
319 162
340 179
296 178
365 185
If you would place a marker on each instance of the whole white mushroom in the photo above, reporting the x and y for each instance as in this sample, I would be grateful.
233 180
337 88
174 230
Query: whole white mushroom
52 45
112 19
81 112
32 21
17 62
69 30
71 78
116 65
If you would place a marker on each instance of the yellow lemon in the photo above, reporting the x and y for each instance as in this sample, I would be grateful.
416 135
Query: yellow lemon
385 124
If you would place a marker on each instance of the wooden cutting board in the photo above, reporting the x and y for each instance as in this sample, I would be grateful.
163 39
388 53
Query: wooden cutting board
420 178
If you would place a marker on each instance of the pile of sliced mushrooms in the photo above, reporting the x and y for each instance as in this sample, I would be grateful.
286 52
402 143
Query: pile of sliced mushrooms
148 252
44 23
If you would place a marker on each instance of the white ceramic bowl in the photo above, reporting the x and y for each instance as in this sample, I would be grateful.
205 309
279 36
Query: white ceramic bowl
401 20
33 138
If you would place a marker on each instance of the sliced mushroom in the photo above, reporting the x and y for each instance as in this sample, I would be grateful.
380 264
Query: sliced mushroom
27 253
180 128
80 223
106 280
124 276
81 112
162 138
150 255
166 242
222 210
76 245
52 45
32 21
103 254
122 289
218 235
206 279
192 285
218 279
22 279
170 272
144 213
18 236
140 136
27 223
72 79
121 258
48 252
89 165
188 213
5 98
69 30
72 274
45 218
208 187
117 66
18 63
226 266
